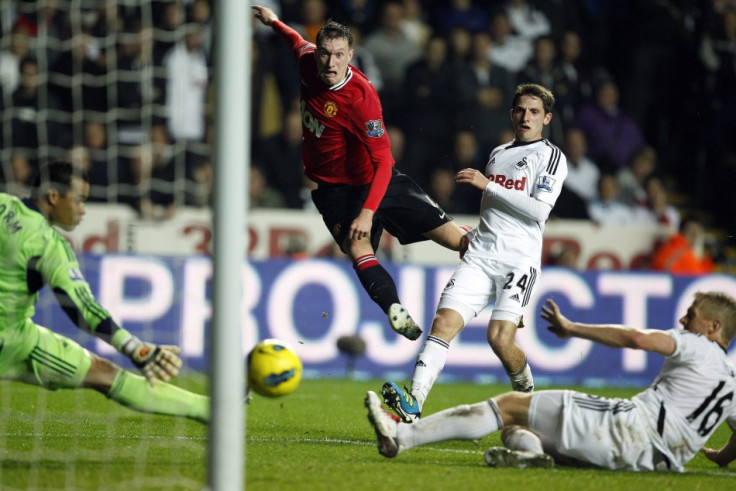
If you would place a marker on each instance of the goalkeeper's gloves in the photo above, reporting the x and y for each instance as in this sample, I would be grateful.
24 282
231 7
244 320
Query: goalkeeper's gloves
155 362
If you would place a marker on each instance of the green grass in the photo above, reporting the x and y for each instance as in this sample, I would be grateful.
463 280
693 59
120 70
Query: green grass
317 438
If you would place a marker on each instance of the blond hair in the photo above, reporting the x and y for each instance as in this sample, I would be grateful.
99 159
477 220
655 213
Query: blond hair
719 306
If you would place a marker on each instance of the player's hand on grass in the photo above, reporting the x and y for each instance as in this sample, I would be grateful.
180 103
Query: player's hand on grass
473 177
716 456
265 15
559 324
155 362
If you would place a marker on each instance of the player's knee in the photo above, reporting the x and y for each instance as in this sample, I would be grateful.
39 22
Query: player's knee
514 408
446 324
500 335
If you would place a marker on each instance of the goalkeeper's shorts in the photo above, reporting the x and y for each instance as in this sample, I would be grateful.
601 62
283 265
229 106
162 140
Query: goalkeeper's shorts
36 355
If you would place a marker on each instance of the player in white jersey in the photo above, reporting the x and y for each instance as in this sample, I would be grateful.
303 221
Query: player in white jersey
502 262
661 428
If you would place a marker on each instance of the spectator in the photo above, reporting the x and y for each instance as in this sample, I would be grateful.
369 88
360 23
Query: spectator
314 16
612 134
466 154
565 255
718 54
200 12
683 252
526 20
361 14
22 169
543 69
364 61
494 89
148 183
443 189
93 95
29 129
169 30
135 85
262 195
509 51
415 24
607 209
393 51
429 99
186 90
658 210
98 172
577 75
200 183
461 13
582 173
284 157
631 179
10 58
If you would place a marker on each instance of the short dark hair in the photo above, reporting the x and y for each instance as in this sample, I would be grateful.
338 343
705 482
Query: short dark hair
58 175
334 30
536 90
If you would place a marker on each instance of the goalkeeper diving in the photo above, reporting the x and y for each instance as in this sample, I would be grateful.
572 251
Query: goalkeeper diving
32 254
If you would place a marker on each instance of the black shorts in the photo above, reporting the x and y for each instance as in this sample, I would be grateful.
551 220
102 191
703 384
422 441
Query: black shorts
406 212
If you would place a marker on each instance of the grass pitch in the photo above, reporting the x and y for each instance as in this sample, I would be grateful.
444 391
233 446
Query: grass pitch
316 438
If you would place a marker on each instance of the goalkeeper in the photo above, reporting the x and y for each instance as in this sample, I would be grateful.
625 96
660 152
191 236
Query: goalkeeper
33 253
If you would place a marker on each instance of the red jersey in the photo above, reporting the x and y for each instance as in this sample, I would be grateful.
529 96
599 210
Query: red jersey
344 140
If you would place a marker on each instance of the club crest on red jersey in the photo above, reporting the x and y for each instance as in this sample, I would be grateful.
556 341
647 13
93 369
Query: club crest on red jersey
375 128
330 109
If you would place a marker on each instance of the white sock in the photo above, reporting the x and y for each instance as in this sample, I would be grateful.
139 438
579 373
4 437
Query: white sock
430 362
464 422
522 439
522 381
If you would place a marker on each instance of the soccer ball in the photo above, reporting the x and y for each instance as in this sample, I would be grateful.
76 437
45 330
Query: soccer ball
274 368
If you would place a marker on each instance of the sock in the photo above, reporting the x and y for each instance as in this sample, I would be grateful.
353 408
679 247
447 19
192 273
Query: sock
135 392
522 381
376 281
465 422
430 363
522 439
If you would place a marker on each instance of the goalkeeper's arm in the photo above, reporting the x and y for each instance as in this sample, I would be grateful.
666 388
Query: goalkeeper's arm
58 267
154 361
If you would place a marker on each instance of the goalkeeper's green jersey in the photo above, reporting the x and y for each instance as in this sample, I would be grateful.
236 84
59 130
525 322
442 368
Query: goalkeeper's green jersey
32 254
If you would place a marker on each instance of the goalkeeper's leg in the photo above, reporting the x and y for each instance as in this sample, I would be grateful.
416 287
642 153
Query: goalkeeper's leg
135 392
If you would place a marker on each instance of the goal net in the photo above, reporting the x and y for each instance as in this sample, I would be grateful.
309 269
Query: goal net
120 87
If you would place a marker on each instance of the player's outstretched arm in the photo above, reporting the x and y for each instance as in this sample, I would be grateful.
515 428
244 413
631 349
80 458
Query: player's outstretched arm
723 456
616 336
265 15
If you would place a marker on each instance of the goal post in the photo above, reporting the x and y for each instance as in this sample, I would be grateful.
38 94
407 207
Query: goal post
226 467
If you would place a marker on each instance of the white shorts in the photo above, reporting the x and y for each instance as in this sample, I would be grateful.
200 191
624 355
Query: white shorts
479 281
581 429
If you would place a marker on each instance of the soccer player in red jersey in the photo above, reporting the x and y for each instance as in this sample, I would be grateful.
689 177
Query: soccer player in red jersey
347 152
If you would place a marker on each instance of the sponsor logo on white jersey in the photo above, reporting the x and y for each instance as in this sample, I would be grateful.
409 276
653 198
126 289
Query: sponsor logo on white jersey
508 182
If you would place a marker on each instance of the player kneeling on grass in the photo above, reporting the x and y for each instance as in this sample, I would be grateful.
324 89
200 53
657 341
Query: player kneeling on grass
661 428
32 254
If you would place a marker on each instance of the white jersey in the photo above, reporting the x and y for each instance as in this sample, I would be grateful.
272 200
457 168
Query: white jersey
509 233
692 395
661 428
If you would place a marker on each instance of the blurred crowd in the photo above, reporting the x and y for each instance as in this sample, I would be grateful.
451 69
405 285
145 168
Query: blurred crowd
646 98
